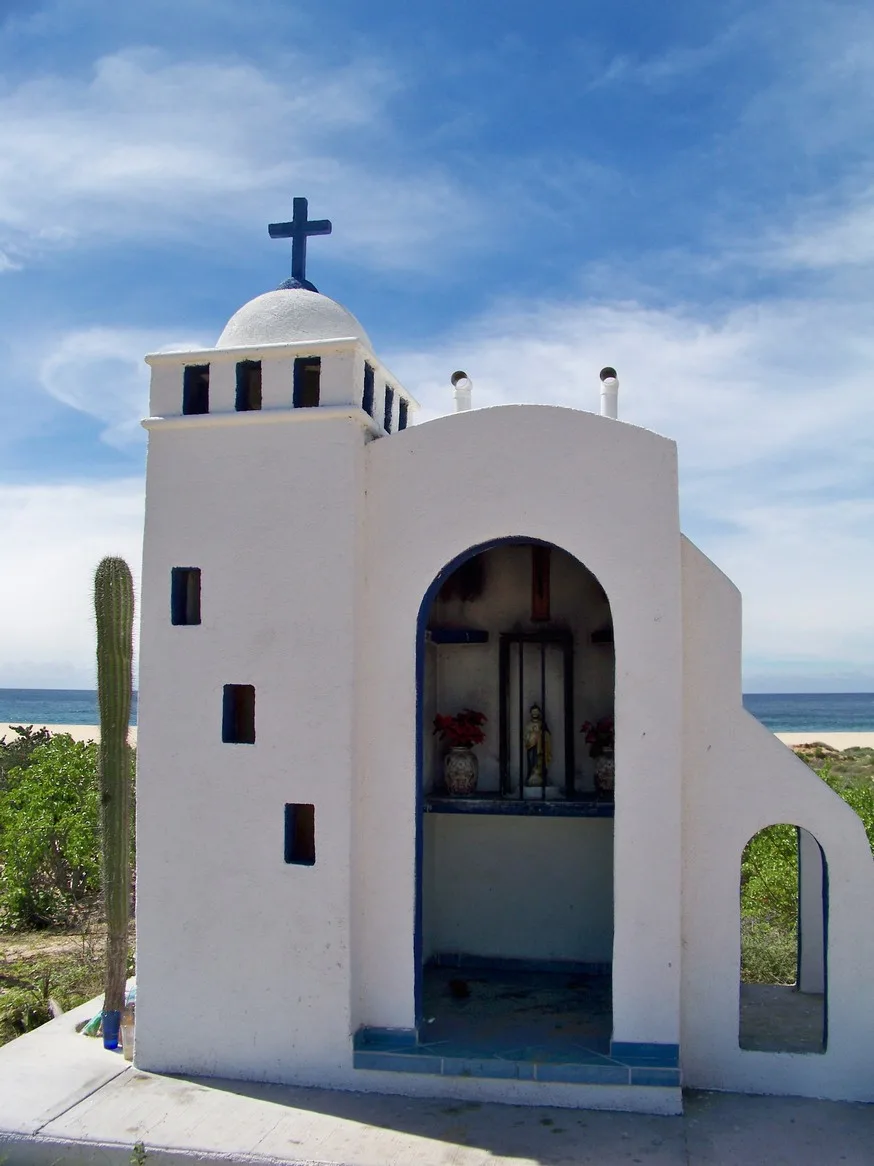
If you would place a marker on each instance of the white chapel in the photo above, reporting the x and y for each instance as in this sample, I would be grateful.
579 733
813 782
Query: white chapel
444 777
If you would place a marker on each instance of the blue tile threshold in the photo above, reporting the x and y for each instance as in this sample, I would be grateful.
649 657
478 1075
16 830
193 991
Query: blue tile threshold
517 1025
373 1050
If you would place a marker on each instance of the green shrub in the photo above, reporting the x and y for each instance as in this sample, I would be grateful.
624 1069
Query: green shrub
769 951
857 792
769 876
22 1009
49 842
769 871
769 906
16 753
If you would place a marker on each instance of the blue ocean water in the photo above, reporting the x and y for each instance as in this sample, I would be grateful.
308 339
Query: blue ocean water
52 706
803 712
806 712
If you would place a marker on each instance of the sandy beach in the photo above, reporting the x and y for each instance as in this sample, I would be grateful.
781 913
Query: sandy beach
836 740
77 732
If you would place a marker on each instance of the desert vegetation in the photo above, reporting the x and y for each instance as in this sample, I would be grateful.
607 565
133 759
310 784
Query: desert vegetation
769 868
52 927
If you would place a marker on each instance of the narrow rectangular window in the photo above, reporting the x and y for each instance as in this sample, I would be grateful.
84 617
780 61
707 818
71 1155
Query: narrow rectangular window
367 396
403 409
195 389
389 407
185 595
248 385
300 834
540 562
238 714
307 373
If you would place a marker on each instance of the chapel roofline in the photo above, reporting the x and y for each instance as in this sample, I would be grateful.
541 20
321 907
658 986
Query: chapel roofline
234 352
276 350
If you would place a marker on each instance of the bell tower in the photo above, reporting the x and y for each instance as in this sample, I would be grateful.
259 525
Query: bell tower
247 714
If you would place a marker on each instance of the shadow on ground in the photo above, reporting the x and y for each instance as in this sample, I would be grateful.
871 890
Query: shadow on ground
717 1129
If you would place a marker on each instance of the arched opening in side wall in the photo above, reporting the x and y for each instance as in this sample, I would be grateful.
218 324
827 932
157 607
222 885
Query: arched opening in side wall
783 942
515 873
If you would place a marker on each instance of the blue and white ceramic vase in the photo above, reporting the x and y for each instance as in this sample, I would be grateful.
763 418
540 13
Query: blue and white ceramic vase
605 773
460 771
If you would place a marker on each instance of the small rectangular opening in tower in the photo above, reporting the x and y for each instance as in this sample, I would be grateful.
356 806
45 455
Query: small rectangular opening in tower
540 572
389 408
300 834
367 395
403 413
238 714
185 595
195 389
248 385
307 374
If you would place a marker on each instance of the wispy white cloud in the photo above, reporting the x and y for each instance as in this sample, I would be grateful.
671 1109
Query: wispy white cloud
768 398
753 384
804 570
819 81
771 423
100 372
673 65
147 146
822 239
771 407
60 534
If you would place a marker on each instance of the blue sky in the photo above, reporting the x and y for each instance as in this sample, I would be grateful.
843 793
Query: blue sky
684 191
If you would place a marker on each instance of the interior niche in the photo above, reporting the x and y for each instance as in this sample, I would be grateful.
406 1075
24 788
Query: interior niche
517 875
519 625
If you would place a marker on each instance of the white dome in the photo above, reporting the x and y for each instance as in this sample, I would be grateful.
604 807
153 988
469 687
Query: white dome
286 315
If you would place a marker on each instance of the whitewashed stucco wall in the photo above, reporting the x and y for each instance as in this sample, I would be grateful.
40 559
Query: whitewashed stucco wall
739 778
316 551
607 494
519 888
244 961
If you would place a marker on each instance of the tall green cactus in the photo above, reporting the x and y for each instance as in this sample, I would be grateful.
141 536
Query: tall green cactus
114 609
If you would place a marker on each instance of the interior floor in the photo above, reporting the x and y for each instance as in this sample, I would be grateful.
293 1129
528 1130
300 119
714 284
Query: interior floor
524 1025
517 1015
776 1018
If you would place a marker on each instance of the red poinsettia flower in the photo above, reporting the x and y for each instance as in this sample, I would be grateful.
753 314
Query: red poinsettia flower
462 731
599 735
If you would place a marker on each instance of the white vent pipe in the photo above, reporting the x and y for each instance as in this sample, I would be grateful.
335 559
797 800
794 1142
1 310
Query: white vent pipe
609 393
462 384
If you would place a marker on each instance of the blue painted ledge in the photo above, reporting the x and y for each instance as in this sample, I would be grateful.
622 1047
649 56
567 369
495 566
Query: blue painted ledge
457 636
533 807
397 1051
461 959
645 1054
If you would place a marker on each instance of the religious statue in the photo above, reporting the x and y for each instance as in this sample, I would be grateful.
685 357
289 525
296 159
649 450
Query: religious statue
538 747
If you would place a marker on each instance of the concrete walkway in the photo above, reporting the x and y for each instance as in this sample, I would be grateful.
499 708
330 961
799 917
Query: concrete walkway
65 1100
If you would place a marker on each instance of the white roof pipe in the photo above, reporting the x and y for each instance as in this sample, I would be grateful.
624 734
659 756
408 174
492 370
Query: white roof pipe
462 384
609 393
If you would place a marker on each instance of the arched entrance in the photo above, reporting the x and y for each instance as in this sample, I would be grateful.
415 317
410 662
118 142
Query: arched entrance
514 929
783 942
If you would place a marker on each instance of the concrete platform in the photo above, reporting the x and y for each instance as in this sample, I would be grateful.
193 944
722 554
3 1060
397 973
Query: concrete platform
66 1100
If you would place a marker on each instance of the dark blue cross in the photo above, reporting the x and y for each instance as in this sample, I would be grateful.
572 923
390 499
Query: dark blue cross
298 230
